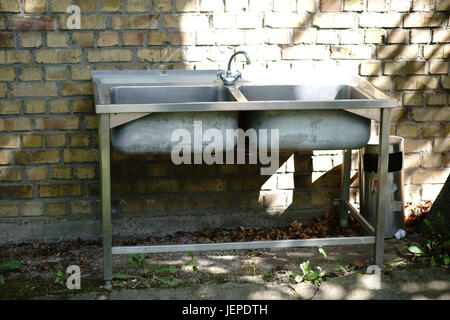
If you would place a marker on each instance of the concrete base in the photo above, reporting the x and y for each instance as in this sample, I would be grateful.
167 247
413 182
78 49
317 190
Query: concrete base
126 226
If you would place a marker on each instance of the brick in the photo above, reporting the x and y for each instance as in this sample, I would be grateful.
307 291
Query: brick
36 156
376 5
5 157
58 56
393 68
13 56
441 145
420 36
86 6
32 141
209 38
236 5
400 5
57 39
183 38
327 36
370 68
415 67
35 6
59 106
137 5
205 185
435 99
10 174
413 99
79 140
55 73
186 22
350 52
411 161
83 39
335 20
108 39
186 5
7 40
55 140
111 5
81 72
9 141
161 5
396 36
431 130
34 106
408 130
3 91
330 5
7 74
417 146
431 114
304 36
80 156
305 52
8 210
10 6
30 73
57 208
422 5
351 37
60 5
353 5
132 39
59 190
445 82
85 172
36 173
9 107
379 20
136 22
286 20
284 5
81 207
15 124
158 186
16 192
397 52
57 123
158 38
373 36
415 83
414 20
113 55
32 23
87 22
230 37
154 204
441 35
40 89
442 5
61 173
83 106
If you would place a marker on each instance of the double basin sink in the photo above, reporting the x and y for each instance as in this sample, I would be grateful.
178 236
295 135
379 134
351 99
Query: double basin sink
334 114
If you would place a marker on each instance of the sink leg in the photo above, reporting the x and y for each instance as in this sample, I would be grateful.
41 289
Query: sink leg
345 185
383 161
105 174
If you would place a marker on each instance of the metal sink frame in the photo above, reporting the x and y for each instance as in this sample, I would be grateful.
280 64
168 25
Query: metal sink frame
365 100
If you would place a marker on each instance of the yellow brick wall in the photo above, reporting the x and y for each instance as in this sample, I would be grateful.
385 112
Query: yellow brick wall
48 139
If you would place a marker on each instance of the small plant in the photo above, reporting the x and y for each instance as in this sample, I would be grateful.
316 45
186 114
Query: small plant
122 276
435 248
165 273
192 263
2 279
59 278
337 262
137 261
309 275
10 265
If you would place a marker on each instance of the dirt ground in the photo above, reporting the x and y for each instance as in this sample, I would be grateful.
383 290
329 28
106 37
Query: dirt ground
43 265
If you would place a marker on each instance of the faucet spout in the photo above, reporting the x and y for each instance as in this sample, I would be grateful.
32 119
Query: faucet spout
227 77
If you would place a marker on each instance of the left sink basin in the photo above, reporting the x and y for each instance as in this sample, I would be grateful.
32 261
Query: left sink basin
153 133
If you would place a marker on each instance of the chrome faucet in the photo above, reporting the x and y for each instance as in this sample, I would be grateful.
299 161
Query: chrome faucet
227 77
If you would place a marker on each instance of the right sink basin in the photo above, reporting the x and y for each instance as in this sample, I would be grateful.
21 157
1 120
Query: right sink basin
299 130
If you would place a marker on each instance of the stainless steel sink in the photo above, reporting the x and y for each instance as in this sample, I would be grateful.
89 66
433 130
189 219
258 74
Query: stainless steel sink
311 113
169 94
308 129
153 133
